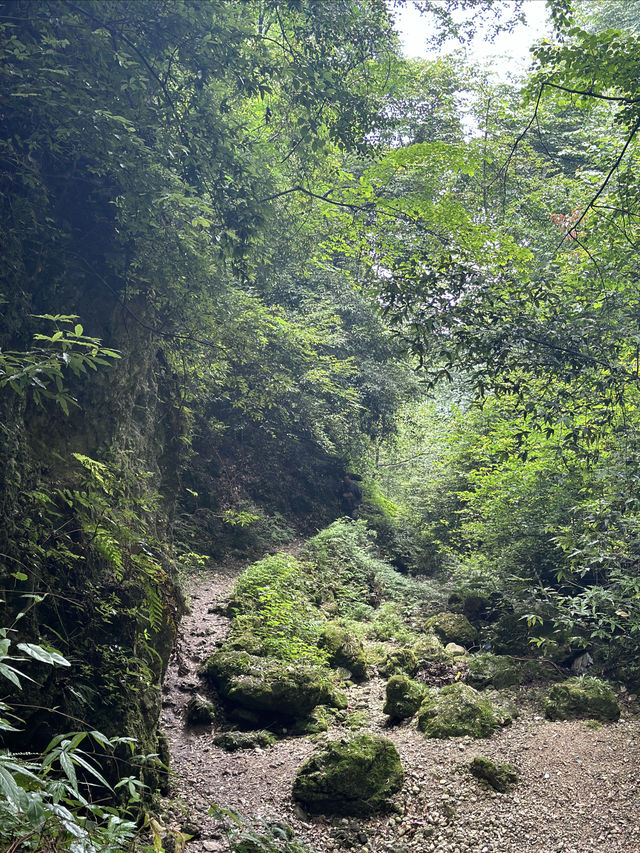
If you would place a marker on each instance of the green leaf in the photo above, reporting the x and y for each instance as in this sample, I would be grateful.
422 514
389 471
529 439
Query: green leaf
44 655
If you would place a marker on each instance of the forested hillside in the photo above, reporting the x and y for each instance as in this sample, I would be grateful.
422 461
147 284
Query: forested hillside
248 248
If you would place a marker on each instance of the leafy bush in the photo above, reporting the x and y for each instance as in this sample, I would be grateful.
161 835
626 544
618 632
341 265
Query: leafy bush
46 800
345 565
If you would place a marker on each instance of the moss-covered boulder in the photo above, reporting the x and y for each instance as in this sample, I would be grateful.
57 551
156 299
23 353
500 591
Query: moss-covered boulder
397 661
487 670
232 741
353 776
268 686
200 711
501 777
226 664
452 628
504 707
430 650
344 650
584 697
404 697
457 710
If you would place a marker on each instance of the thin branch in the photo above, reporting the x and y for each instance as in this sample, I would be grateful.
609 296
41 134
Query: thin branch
592 94
325 197
574 227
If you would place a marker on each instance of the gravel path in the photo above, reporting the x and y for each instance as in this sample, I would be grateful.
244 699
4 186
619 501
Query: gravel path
579 790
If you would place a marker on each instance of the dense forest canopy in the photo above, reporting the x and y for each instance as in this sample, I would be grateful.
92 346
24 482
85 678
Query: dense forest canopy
247 247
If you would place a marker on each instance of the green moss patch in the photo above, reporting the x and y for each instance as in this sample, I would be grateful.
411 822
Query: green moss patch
343 650
267 686
501 777
233 741
487 670
453 628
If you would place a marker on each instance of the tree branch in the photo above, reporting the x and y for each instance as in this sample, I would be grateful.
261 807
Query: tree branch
574 227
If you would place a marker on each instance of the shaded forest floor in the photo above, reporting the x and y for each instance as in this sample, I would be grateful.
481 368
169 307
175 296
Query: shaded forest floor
579 789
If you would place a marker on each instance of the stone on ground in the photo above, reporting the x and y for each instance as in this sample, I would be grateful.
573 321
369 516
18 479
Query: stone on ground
232 741
353 776
501 777
404 697
200 712
398 661
457 710
268 686
487 670
344 650
583 697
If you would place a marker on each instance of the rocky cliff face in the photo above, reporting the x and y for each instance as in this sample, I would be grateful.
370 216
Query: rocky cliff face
86 513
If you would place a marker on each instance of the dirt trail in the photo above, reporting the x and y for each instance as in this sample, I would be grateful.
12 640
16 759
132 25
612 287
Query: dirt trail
579 790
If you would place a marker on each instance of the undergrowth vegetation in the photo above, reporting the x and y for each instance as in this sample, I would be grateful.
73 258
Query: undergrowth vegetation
281 605
55 800
517 516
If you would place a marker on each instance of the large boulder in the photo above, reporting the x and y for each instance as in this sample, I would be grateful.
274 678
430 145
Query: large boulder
353 776
266 686
453 628
404 697
457 710
487 670
343 650
584 697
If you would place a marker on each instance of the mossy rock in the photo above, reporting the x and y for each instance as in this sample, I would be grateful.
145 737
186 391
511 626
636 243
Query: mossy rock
457 710
397 661
487 670
316 723
224 665
267 686
200 711
453 628
344 650
404 697
247 642
501 777
232 741
352 776
579 698
504 707
429 650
